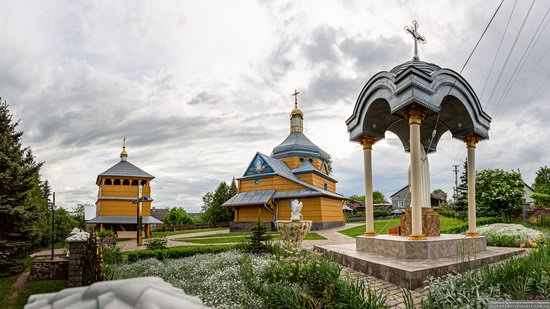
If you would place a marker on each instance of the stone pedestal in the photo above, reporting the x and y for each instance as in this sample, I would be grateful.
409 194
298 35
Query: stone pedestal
447 245
293 231
430 222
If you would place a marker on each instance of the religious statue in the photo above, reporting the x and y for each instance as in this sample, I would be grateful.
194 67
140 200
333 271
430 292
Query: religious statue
296 207
425 195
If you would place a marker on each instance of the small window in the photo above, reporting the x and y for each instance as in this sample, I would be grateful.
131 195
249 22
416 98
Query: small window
256 182
301 159
326 187
144 183
108 182
310 160
126 182
135 182
117 182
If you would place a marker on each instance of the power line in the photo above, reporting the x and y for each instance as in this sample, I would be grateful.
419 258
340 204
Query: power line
521 63
509 54
512 99
532 96
498 49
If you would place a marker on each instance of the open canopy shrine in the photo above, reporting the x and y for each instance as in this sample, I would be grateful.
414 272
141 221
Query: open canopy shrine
419 102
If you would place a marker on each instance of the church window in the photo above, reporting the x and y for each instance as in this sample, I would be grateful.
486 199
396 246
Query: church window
310 160
117 182
325 186
144 183
301 159
256 181
135 182
126 182
107 182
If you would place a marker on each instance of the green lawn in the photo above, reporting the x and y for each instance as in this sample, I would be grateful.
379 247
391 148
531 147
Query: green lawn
382 226
37 287
237 237
5 289
169 233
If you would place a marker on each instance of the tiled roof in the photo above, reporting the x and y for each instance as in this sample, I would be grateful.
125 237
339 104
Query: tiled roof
125 168
250 198
123 220
307 167
297 144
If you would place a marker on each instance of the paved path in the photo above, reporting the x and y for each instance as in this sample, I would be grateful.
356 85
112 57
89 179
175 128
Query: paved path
129 245
48 252
332 237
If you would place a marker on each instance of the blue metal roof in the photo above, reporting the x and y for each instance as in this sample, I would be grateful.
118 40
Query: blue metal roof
125 168
260 197
123 220
297 144
307 167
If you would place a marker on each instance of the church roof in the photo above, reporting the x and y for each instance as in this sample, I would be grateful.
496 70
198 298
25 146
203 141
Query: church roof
279 168
125 168
307 167
297 144
123 220
424 67
250 198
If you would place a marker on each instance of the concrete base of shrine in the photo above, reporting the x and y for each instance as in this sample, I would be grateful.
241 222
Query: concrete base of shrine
410 263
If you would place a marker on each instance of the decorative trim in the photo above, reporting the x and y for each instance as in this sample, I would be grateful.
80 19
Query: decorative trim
418 237
471 140
369 234
367 141
472 234
415 115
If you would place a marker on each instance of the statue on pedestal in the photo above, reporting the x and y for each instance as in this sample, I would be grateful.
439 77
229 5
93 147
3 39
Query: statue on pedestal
296 207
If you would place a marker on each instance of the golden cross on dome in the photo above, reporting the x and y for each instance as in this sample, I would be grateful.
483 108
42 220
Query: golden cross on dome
295 95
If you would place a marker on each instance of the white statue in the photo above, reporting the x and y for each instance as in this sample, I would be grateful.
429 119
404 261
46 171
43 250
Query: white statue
296 207
425 193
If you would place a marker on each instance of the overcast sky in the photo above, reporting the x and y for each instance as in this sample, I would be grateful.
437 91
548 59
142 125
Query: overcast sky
197 87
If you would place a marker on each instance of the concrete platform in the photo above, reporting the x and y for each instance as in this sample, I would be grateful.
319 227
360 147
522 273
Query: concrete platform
445 245
412 273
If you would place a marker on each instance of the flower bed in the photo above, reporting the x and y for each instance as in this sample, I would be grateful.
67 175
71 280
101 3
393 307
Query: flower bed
510 235
289 277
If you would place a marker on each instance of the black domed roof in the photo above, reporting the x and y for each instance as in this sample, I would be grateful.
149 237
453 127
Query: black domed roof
425 67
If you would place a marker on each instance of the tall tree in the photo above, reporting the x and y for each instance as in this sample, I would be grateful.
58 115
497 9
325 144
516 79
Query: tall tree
542 187
461 199
213 211
18 177
176 216
78 215
377 197
499 193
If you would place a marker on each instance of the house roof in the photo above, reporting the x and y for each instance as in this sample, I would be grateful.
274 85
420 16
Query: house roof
123 220
159 213
250 198
125 168
307 167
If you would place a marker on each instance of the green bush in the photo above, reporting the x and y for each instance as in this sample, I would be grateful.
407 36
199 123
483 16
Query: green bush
463 227
157 243
451 213
541 199
111 255
259 241
381 213
175 252
499 193
104 233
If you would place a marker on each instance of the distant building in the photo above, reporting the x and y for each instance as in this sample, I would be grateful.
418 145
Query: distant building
402 198
118 188
527 195
296 169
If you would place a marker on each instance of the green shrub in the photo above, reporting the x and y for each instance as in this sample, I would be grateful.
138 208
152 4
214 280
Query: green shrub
381 213
157 243
463 227
175 252
541 199
259 240
104 233
111 255
451 213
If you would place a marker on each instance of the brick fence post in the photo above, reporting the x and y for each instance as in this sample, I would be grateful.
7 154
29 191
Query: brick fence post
77 250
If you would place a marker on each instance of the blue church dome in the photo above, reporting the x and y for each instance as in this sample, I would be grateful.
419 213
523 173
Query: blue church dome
298 145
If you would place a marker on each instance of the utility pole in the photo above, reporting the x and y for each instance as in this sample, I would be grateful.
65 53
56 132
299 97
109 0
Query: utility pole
139 216
456 181
53 222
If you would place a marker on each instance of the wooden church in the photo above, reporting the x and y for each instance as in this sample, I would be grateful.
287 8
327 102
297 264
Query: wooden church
116 207
296 169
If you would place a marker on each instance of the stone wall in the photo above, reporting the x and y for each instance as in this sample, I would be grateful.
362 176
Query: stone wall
46 269
430 222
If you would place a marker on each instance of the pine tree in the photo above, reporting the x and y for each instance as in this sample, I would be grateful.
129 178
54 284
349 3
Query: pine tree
461 199
257 242
18 177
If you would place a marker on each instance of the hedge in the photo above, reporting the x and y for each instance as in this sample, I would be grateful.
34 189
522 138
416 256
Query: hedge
463 227
175 252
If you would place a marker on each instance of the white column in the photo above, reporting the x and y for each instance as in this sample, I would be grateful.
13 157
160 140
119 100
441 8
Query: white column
367 143
415 119
471 142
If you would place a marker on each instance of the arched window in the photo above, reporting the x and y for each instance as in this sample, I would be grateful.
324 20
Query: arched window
117 182
126 182
135 182
301 159
108 182
144 183
326 187
310 160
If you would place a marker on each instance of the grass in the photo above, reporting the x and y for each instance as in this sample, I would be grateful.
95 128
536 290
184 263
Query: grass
37 287
5 289
383 226
230 238
170 233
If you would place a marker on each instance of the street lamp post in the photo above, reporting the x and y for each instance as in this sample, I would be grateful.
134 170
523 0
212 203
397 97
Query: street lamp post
53 222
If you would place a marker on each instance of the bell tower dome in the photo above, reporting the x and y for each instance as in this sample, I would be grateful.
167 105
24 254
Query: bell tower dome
296 116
